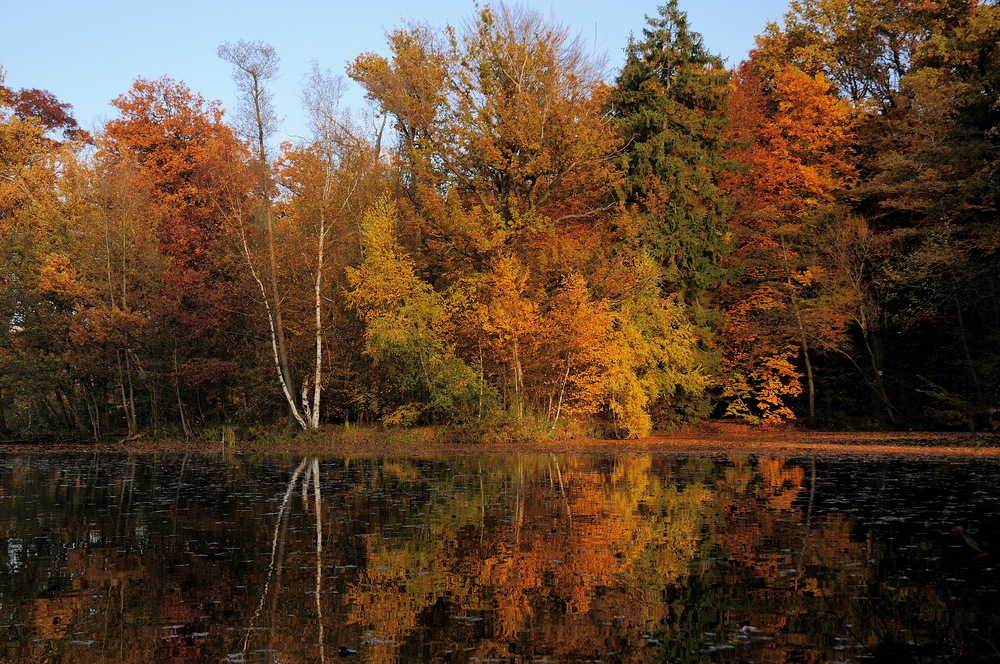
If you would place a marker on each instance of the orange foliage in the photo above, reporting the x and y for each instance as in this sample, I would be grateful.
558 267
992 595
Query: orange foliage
188 155
792 137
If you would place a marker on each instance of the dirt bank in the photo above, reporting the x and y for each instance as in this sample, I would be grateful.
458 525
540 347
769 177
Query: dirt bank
708 438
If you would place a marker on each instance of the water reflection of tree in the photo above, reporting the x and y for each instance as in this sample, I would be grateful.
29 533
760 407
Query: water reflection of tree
122 564
574 558
310 477
626 558
542 553
779 556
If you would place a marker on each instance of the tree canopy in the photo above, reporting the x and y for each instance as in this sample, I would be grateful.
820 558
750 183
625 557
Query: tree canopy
515 242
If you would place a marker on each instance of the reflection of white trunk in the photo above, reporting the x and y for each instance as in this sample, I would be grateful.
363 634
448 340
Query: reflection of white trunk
562 491
282 512
808 524
177 496
482 499
319 555
519 504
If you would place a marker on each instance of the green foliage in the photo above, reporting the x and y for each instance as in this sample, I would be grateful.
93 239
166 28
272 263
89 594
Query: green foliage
503 428
669 102
656 364
407 328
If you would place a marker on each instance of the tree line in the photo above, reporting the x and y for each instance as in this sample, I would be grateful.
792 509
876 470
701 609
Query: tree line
515 243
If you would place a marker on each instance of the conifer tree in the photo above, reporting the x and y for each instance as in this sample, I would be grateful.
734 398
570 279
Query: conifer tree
670 105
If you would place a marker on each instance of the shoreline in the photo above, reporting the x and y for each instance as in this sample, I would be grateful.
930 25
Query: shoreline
705 439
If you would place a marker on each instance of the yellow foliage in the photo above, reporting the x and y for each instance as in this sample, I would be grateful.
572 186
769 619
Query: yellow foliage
654 357
57 277
509 314
582 333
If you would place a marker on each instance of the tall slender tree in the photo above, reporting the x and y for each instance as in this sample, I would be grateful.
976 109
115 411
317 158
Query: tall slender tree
329 182
254 65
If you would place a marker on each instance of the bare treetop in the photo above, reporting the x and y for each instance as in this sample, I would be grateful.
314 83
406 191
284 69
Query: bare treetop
255 63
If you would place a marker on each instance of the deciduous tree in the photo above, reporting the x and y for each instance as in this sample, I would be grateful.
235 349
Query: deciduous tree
254 65
408 331
794 140
187 153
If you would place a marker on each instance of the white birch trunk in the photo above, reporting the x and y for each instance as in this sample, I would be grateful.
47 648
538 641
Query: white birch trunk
285 388
318 376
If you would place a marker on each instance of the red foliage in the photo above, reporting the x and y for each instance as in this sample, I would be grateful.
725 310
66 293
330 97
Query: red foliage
43 105
194 163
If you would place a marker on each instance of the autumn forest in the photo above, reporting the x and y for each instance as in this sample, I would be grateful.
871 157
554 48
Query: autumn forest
515 242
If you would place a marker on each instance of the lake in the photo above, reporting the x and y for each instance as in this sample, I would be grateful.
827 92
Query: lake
533 558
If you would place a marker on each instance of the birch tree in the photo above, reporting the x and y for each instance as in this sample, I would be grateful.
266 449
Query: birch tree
330 181
254 65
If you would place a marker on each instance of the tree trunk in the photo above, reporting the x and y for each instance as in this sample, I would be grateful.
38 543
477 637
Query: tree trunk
803 339
4 431
256 63
276 345
562 391
518 382
963 338
72 406
810 382
318 374
278 324
807 360
874 346
93 412
134 428
180 402
125 388
154 402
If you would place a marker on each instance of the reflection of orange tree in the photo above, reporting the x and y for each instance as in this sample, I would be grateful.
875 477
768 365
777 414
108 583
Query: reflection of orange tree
548 540
789 568
756 508
752 504
392 590
98 568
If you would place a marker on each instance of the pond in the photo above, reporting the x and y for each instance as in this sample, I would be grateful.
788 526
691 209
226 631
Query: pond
528 558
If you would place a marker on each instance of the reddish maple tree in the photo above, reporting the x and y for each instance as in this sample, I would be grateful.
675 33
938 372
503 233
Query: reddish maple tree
187 153
47 109
192 163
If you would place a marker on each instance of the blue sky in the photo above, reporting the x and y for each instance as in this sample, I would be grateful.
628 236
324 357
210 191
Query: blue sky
87 53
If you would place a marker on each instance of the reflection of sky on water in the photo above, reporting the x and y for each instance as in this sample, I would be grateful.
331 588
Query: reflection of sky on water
14 550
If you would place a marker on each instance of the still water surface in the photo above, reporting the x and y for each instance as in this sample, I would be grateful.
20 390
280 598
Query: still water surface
499 558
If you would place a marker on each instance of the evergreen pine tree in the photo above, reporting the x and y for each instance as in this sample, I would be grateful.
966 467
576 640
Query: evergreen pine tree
670 104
